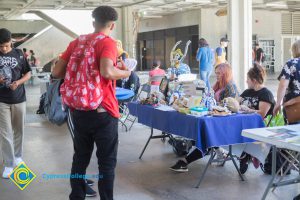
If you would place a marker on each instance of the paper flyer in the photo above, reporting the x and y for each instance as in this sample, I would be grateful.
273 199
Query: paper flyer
282 133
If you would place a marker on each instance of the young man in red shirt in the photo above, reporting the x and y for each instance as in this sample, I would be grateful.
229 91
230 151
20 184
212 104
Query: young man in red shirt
98 126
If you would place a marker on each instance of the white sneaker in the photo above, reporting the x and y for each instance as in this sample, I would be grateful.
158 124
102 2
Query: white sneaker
220 156
18 161
7 171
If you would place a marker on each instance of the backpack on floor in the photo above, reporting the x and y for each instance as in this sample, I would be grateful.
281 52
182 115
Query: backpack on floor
82 89
181 146
267 167
41 105
53 106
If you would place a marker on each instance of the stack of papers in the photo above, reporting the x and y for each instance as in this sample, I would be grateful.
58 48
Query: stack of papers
286 135
165 108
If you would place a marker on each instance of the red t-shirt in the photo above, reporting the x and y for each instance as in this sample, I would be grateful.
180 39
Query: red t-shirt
156 72
105 48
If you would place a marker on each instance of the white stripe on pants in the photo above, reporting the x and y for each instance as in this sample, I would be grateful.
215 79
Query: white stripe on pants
12 119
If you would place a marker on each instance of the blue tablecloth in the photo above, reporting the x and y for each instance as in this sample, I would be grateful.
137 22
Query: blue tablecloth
206 131
123 94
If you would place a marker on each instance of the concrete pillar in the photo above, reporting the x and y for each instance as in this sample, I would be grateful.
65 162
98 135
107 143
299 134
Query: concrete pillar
127 37
240 36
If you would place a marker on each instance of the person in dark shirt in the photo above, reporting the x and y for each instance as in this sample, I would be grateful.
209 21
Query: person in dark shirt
130 83
32 59
14 72
259 54
25 53
257 98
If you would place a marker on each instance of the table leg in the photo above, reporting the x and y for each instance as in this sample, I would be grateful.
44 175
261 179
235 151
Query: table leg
150 137
291 160
236 167
132 122
212 156
123 124
274 149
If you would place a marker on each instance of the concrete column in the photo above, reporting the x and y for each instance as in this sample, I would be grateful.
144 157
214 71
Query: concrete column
127 36
240 36
200 28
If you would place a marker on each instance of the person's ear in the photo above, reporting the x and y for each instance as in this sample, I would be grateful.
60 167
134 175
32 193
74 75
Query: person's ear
112 26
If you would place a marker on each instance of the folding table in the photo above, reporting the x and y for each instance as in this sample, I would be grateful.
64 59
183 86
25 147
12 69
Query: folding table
206 131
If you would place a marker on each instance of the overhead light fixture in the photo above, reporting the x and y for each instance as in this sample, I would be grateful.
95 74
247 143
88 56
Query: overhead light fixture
59 7
198 1
221 12
277 5
151 16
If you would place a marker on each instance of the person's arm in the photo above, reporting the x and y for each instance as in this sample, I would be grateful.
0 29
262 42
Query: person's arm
230 91
110 72
263 108
60 67
14 85
2 81
59 70
219 52
150 76
283 84
261 55
198 55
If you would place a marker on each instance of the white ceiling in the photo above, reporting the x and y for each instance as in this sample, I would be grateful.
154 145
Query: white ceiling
13 8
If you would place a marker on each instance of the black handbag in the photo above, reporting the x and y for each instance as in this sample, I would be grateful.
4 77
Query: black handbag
181 146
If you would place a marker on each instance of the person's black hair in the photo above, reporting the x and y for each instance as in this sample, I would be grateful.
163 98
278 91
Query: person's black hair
5 36
202 43
123 56
257 72
31 51
156 63
24 49
104 14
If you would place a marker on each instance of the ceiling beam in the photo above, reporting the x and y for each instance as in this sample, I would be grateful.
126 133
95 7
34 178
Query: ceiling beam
273 1
135 3
55 23
20 11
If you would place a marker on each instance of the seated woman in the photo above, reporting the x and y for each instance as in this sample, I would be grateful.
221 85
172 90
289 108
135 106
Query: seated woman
224 87
259 99
156 72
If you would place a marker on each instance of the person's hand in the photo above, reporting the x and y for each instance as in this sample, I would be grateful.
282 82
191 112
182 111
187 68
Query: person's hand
122 66
290 102
245 108
14 85
2 81
276 109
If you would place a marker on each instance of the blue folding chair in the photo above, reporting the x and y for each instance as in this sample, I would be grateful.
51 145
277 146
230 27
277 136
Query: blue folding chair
124 96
